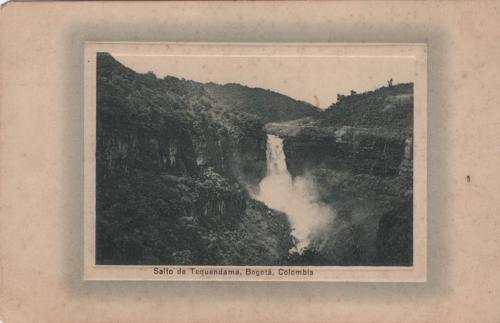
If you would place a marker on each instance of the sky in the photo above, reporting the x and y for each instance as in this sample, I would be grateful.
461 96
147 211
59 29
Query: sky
316 80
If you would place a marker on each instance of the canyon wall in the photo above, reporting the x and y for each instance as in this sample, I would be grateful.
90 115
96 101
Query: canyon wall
176 159
172 166
359 154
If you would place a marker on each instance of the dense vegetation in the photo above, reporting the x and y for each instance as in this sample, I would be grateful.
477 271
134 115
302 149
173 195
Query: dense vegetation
175 159
388 107
171 163
359 154
269 106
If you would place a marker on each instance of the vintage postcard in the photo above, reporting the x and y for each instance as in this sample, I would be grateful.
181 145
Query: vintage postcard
255 162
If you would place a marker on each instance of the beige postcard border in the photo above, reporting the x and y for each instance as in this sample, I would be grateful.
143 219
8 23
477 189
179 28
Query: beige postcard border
416 273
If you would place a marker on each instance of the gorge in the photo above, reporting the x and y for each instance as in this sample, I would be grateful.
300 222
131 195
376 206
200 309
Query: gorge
194 173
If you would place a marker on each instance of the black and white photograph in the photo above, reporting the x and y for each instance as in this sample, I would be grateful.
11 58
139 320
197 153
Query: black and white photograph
249 161
290 162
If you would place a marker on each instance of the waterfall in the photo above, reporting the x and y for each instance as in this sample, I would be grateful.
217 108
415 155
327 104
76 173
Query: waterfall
296 198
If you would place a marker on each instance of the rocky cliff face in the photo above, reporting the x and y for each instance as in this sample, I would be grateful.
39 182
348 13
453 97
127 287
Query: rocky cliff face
357 150
171 166
175 159
359 154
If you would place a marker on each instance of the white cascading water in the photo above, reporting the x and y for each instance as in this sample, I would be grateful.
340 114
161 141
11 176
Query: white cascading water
296 197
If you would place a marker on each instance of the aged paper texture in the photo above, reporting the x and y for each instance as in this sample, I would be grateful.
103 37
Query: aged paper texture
42 160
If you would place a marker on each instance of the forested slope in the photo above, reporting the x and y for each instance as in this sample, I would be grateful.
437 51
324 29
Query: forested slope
171 163
268 106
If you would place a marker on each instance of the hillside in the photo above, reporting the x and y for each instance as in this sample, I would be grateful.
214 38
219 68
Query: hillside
388 107
171 165
175 160
267 105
